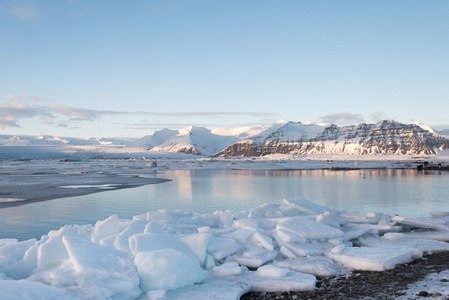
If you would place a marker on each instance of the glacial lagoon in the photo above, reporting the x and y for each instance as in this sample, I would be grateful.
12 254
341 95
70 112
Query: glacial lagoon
406 192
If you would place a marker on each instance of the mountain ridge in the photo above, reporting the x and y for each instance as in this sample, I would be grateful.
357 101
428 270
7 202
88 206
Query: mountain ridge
287 137
280 137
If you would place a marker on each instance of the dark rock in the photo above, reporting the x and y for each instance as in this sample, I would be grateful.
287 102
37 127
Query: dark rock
423 294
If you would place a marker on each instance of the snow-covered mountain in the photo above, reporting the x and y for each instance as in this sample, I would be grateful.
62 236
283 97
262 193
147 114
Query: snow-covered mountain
191 140
46 140
385 137
202 141
282 137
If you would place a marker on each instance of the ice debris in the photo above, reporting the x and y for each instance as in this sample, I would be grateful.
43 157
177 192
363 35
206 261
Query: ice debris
183 255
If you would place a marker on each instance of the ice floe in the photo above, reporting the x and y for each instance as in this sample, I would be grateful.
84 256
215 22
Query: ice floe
184 255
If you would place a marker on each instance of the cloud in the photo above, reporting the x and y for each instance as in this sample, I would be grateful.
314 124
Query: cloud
379 116
214 113
10 114
47 121
342 118
18 98
146 126
103 95
81 114
59 114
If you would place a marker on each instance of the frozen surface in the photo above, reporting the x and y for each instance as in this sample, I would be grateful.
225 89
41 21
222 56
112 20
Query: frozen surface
177 254
24 182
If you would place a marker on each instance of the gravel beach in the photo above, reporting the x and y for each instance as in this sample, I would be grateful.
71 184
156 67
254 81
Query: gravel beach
389 284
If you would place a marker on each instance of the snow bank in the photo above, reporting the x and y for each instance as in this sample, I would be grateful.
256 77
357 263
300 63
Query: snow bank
182 255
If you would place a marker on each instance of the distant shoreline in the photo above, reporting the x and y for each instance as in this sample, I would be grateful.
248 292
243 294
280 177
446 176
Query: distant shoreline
69 192
26 183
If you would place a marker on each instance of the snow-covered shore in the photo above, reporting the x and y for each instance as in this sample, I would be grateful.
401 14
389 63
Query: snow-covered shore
183 255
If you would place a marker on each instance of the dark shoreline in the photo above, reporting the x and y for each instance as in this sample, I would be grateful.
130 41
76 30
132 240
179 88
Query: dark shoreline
46 186
388 284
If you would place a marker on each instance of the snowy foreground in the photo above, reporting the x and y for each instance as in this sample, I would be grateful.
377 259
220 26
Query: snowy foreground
183 255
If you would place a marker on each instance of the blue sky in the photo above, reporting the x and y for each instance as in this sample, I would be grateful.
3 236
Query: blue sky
128 68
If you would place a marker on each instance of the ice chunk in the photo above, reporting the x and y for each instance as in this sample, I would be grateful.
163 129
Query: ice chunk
338 249
267 210
246 224
109 241
241 235
217 288
359 217
154 241
166 269
153 228
14 251
330 219
197 243
26 290
156 295
294 281
375 229
53 251
105 228
270 271
287 253
121 241
306 206
30 257
108 268
305 249
286 236
220 248
400 240
255 257
439 214
209 262
264 241
432 235
353 233
6 242
419 223
309 229
203 229
316 265
393 236
375 259
227 269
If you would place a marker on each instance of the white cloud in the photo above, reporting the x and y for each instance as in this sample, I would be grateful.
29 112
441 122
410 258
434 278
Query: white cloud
60 115
23 97
379 116
342 118
80 114
103 95
10 114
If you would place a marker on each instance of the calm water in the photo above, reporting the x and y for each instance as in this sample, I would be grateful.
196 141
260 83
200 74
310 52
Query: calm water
406 192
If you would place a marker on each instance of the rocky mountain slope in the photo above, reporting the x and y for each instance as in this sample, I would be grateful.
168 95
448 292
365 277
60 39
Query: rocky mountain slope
385 137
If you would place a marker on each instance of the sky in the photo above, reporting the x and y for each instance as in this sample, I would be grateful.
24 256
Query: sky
128 68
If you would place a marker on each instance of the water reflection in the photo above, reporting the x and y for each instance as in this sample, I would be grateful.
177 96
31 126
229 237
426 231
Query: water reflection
405 192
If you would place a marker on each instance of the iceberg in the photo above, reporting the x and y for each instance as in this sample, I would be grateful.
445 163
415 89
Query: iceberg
183 255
